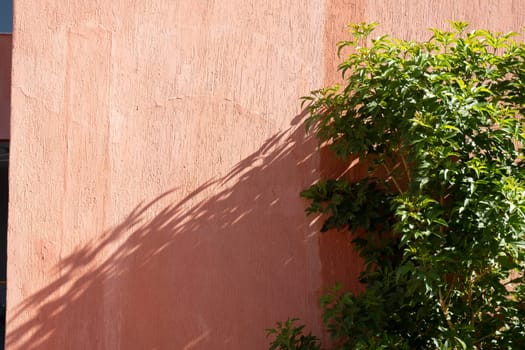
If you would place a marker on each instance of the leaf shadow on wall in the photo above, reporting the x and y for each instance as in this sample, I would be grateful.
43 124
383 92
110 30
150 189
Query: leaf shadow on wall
209 271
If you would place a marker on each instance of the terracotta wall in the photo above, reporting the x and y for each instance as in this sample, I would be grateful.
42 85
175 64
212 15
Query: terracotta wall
157 153
157 157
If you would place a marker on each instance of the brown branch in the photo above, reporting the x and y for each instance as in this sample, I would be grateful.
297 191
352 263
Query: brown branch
407 169
444 309
389 174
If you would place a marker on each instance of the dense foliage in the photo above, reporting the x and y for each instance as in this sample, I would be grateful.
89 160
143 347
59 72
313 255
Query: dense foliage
440 217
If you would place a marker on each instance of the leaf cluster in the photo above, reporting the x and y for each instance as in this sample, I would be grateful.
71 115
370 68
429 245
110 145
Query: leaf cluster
288 336
440 218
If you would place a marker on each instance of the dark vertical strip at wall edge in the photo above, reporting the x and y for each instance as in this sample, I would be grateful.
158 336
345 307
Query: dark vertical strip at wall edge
4 200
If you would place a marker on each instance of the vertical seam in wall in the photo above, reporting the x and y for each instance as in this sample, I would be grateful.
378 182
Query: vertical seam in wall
67 98
338 14
107 160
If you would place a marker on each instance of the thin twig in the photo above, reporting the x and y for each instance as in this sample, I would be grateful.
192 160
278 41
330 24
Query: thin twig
396 184
407 169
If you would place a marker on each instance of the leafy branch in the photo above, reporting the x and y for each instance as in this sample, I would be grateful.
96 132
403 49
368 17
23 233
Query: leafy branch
439 219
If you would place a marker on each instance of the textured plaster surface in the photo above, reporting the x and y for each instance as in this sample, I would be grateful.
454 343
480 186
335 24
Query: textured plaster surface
156 158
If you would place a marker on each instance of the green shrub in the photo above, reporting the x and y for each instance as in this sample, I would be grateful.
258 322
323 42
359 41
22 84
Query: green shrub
288 336
440 125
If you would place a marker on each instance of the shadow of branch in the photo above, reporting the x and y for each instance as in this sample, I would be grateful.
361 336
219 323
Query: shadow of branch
207 270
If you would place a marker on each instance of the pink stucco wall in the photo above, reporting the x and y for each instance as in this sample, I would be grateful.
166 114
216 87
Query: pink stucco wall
157 154
157 158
